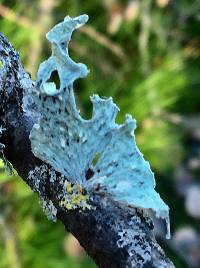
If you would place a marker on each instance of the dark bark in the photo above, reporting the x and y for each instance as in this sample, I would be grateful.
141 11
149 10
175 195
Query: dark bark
114 235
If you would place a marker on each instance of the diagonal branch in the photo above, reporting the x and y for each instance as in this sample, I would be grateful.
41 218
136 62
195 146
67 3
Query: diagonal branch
114 235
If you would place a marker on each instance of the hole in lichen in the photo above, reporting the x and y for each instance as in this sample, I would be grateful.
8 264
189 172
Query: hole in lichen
1 64
89 174
96 159
54 78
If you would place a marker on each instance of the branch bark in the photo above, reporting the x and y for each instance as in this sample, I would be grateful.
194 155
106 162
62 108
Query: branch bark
114 235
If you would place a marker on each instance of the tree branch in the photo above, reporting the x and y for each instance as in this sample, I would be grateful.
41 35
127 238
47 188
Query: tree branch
113 234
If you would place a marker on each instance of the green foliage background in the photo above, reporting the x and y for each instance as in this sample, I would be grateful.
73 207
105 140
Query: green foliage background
145 54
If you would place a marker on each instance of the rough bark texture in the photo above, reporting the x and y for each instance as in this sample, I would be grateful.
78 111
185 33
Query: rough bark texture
114 235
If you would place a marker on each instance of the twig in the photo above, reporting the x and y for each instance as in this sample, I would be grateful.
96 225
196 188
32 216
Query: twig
104 41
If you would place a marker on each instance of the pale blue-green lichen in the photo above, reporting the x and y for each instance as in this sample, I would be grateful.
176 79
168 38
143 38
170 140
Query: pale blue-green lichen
68 70
63 139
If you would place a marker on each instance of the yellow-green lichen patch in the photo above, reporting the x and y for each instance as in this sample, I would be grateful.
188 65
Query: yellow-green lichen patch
1 63
74 197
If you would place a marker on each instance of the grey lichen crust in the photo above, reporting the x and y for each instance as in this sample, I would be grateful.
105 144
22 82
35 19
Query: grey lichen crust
7 164
38 178
68 196
70 144
1 144
135 240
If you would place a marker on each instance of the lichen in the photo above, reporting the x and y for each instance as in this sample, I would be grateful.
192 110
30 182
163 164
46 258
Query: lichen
60 60
133 235
38 178
7 164
49 209
70 144
74 197
135 242
69 196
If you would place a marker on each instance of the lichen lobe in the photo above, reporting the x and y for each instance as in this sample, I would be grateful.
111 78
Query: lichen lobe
60 60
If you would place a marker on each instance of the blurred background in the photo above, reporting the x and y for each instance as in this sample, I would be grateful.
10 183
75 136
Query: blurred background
146 55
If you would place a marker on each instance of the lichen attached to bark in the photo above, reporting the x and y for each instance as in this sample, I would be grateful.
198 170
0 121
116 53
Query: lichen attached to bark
73 145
